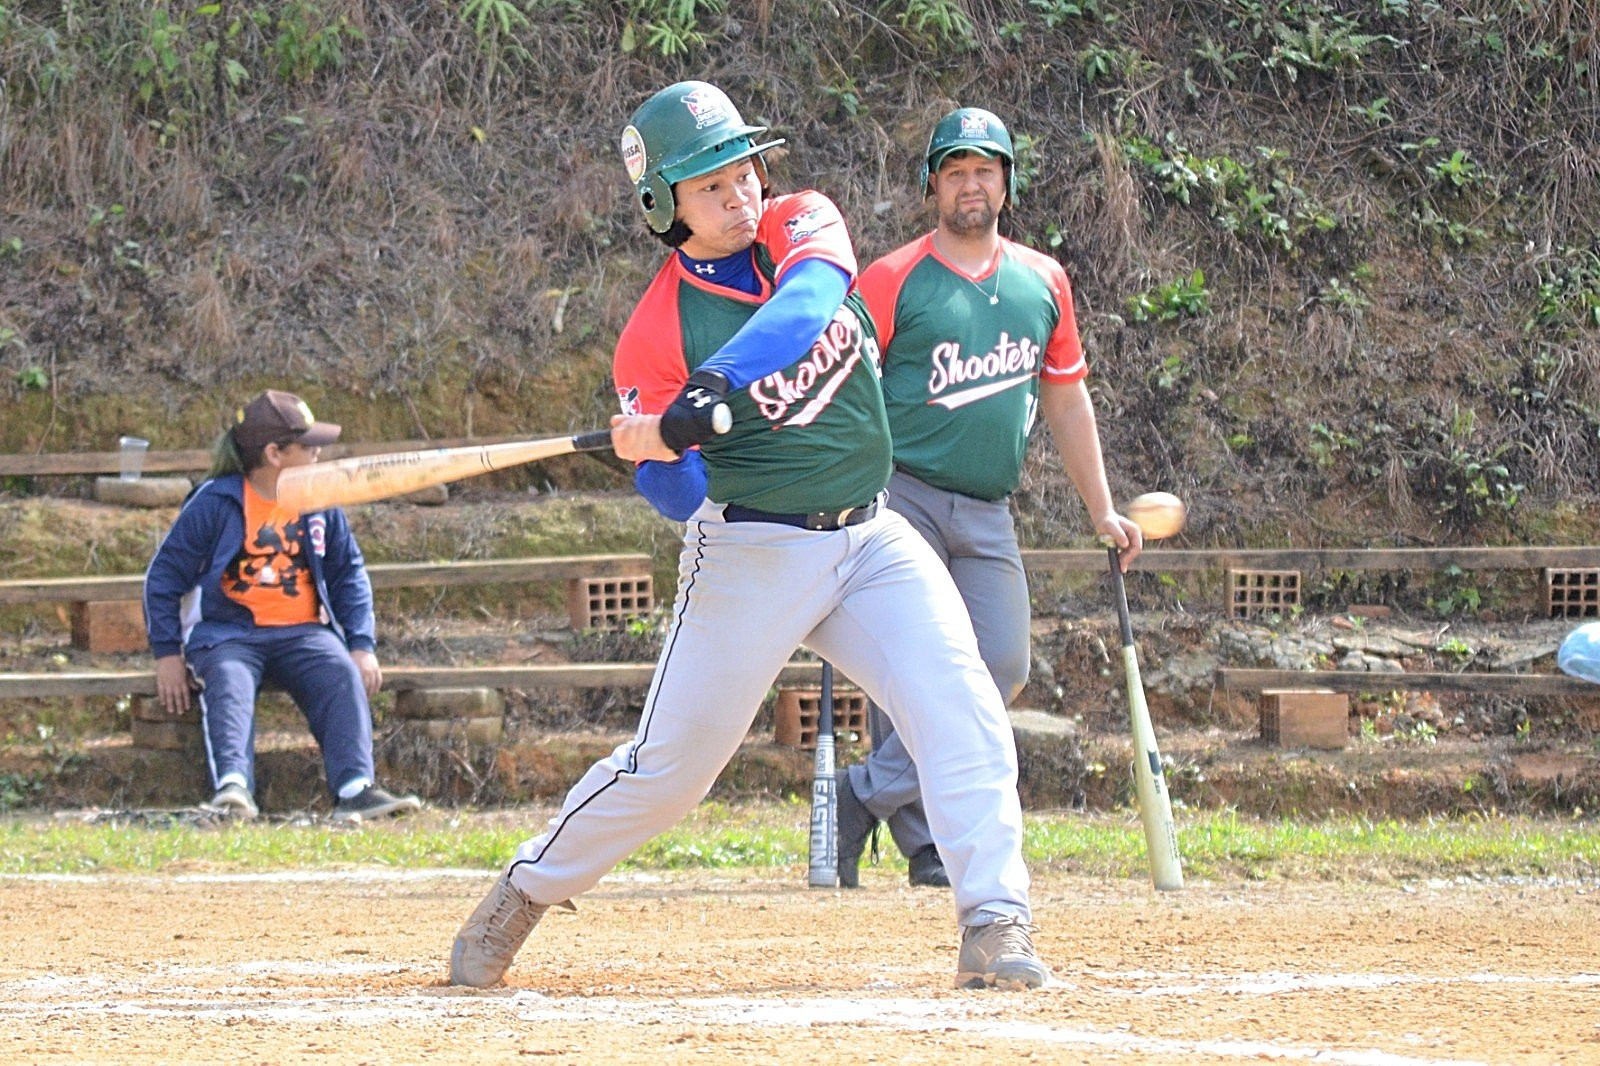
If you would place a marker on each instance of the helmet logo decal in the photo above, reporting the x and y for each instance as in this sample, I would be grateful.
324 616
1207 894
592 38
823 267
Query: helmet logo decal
708 106
633 154
975 126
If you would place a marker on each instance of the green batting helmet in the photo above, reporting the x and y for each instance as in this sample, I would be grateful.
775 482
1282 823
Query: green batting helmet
681 132
970 129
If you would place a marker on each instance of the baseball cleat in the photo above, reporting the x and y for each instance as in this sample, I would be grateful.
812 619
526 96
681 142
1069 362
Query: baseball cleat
927 869
493 934
855 825
999 955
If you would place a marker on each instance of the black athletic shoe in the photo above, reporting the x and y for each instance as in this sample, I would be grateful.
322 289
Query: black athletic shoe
855 826
373 802
928 869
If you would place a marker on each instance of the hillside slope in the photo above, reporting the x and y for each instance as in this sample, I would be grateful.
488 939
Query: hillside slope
1336 261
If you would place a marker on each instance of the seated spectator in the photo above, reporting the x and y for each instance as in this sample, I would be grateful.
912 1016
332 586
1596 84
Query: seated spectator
240 591
1579 654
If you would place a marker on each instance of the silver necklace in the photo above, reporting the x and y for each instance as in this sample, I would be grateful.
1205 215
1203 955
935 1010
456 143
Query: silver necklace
992 297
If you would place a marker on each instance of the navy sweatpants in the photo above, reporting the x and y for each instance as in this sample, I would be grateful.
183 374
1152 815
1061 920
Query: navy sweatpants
309 662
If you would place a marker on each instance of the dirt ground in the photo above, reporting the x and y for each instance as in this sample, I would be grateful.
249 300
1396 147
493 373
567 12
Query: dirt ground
349 966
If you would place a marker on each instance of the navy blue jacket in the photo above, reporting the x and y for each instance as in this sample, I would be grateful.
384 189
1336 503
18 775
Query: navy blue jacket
184 604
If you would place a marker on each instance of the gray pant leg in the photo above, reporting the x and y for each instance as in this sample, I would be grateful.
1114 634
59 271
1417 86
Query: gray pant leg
977 542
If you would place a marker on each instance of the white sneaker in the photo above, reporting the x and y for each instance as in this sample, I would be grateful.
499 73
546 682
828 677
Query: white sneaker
234 800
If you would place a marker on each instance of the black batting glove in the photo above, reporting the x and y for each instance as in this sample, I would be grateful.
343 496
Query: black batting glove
693 418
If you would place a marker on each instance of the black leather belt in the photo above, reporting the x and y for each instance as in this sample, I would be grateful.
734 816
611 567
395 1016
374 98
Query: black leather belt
817 521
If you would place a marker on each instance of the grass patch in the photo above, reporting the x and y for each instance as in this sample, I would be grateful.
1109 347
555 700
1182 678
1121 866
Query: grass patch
1216 846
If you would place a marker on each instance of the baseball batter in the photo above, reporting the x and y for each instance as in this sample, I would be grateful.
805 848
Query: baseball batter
977 333
786 541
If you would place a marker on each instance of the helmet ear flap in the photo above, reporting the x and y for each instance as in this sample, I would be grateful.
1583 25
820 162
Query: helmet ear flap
657 202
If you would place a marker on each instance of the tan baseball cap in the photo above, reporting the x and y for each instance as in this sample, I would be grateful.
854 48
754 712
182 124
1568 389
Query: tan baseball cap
276 417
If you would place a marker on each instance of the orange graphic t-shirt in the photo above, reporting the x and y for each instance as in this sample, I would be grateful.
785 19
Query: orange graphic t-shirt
270 576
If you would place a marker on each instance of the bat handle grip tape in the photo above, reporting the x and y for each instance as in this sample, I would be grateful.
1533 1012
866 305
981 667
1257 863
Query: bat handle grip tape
1120 594
593 441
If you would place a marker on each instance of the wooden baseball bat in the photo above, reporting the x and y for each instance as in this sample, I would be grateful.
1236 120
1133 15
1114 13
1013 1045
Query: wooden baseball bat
1150 783
823 871
361 478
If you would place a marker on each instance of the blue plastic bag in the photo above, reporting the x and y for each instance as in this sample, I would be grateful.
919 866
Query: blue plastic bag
1579 654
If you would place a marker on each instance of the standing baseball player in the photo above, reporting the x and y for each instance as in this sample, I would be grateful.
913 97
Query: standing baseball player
786 541
977 333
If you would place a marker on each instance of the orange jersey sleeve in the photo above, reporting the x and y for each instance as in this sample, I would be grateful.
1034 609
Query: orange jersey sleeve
881 283
648 367
1064 362
805 225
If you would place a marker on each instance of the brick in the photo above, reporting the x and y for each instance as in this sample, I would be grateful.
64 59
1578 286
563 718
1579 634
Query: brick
798 710
1305 718
608 602
1255 593
442 703
109 626
167 736
1571 593
149 709
487 730
144 492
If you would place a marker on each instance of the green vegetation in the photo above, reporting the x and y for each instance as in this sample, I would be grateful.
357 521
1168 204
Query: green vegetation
416 211
1215 846
1183 298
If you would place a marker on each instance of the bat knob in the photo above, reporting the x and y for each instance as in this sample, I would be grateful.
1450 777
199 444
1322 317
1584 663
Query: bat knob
721 419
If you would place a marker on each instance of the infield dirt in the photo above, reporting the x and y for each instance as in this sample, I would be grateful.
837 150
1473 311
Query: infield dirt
350 966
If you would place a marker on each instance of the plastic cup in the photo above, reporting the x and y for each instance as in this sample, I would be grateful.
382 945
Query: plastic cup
133 449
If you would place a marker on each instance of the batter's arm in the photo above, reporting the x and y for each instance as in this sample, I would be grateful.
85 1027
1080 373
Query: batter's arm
783 328
673 489
1069 411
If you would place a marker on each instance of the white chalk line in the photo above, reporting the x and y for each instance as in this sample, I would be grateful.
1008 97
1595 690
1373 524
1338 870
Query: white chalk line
357 875
152 996
1271 984
892 1015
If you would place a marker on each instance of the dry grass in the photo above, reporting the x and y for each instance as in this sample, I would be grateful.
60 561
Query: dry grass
210 325
349 228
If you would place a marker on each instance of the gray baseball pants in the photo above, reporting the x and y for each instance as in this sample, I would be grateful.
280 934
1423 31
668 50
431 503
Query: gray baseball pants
873 600
977 541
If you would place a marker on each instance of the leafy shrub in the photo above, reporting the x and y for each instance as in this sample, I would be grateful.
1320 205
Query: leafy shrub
1183 298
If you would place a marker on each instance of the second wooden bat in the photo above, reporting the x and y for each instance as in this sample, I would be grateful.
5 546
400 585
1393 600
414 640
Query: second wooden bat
1150 783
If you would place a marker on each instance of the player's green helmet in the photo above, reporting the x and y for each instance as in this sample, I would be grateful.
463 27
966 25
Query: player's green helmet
683 131
971 129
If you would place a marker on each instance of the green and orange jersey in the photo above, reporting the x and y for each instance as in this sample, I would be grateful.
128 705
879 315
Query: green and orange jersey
961 369
270 576
813 436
